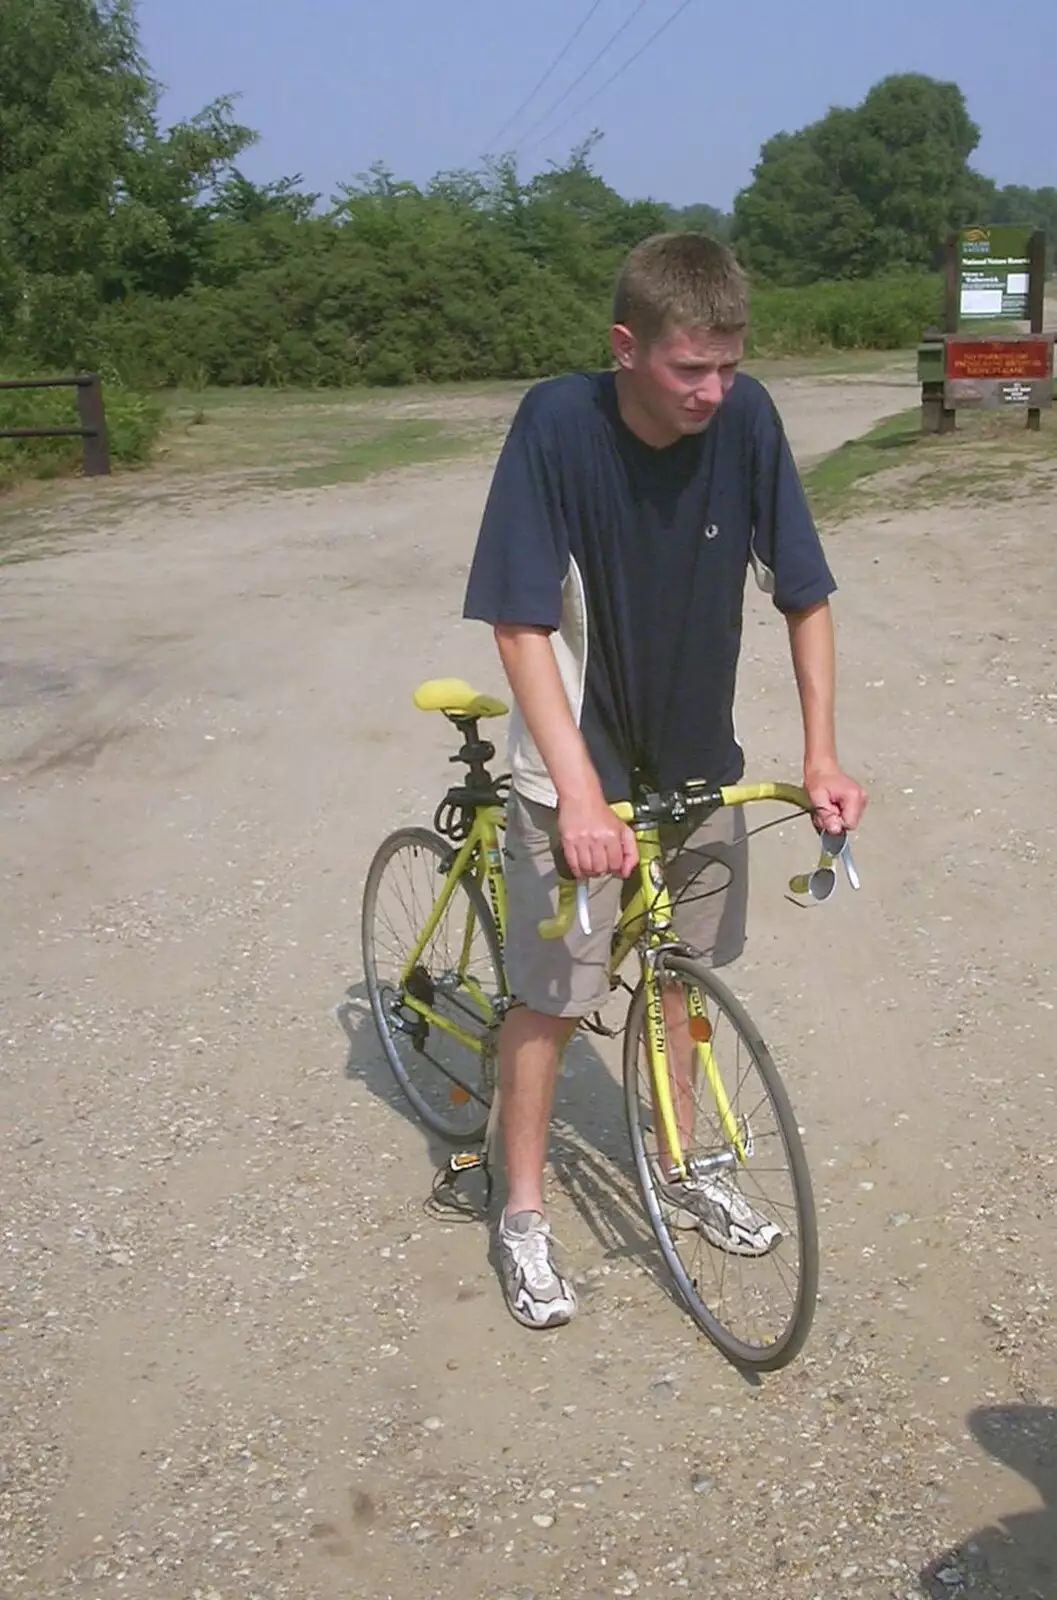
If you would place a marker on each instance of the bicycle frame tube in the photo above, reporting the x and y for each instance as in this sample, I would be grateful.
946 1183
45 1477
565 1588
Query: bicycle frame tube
490 868
650 904
483 833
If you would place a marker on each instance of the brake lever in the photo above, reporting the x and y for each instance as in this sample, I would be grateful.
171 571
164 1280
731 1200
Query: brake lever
583 907
583 892
850 868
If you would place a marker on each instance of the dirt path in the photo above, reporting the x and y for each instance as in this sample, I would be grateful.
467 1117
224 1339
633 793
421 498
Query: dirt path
239 1361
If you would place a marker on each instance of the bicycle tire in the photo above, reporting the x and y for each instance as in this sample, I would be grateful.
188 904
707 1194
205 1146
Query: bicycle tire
422 839
777 1352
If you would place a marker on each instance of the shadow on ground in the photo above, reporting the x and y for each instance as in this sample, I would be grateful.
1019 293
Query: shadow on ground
1014 1557
590 1150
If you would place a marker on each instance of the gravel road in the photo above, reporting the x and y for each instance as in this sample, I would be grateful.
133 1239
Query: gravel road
240 1362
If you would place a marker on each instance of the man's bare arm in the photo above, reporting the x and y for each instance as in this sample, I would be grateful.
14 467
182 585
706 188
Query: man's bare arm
814 663
839 800
593 840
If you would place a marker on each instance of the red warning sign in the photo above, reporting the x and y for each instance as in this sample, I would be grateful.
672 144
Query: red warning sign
999 358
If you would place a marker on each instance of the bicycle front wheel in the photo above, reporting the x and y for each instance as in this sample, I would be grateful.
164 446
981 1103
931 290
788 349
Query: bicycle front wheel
740 1236
438 1021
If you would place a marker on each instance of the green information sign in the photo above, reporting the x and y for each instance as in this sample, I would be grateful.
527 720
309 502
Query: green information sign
994 273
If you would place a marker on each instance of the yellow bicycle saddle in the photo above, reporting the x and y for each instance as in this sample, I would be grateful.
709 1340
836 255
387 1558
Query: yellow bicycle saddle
455 698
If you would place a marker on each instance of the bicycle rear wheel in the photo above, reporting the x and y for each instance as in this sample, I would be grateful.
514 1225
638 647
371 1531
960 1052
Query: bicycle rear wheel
458 977
741 1240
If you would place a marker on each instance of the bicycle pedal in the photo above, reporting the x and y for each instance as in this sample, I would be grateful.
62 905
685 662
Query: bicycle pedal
465 1161
444 1200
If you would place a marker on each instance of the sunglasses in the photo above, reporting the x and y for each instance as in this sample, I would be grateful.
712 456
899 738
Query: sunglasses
820 884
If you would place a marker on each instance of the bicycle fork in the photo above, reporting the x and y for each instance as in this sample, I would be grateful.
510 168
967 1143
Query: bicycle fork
681 1166
700 1031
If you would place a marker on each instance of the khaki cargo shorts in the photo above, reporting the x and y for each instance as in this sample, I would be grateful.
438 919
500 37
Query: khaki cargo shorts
707 872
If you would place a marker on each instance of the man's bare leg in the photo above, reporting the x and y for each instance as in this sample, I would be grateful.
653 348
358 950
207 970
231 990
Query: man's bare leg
530 1050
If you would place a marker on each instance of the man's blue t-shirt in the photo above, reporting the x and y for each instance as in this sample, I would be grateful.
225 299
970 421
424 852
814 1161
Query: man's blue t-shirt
635 558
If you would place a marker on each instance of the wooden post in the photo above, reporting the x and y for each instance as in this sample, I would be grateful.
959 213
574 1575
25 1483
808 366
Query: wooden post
1036 303
946 420
953 285
92 415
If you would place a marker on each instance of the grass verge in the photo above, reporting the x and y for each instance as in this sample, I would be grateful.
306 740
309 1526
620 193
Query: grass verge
310 438
831 482
400 444
990 456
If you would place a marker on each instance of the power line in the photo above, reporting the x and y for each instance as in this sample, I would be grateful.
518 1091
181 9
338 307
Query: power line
559 58
610 42
630 62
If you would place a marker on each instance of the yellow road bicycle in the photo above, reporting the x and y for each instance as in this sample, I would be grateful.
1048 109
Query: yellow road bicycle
718 1155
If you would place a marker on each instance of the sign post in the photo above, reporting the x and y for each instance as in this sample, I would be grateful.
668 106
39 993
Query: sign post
1037 307
993 274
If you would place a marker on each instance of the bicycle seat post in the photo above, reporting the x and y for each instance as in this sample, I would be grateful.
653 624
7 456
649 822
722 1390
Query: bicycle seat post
475 753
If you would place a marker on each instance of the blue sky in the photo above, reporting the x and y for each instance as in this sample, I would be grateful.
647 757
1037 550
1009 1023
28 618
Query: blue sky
334 85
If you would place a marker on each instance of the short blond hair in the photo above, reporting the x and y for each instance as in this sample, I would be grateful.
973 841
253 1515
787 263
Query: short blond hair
681 280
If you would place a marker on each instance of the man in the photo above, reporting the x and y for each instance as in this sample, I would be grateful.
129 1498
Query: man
625 510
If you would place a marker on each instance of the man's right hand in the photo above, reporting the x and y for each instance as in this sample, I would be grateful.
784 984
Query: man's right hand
595 841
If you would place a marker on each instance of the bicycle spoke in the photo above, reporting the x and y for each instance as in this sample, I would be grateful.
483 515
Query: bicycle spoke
456 979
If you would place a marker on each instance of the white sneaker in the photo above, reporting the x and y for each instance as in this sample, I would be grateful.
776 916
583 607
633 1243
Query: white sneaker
718 1210
537 1296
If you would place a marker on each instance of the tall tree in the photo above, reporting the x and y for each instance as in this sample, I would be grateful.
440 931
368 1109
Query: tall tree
863 191
95 200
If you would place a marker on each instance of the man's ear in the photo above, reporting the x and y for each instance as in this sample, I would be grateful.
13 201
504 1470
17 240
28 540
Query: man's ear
622 344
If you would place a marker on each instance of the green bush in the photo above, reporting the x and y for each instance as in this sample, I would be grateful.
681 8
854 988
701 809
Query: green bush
861 314
351 320
439 311
133 424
